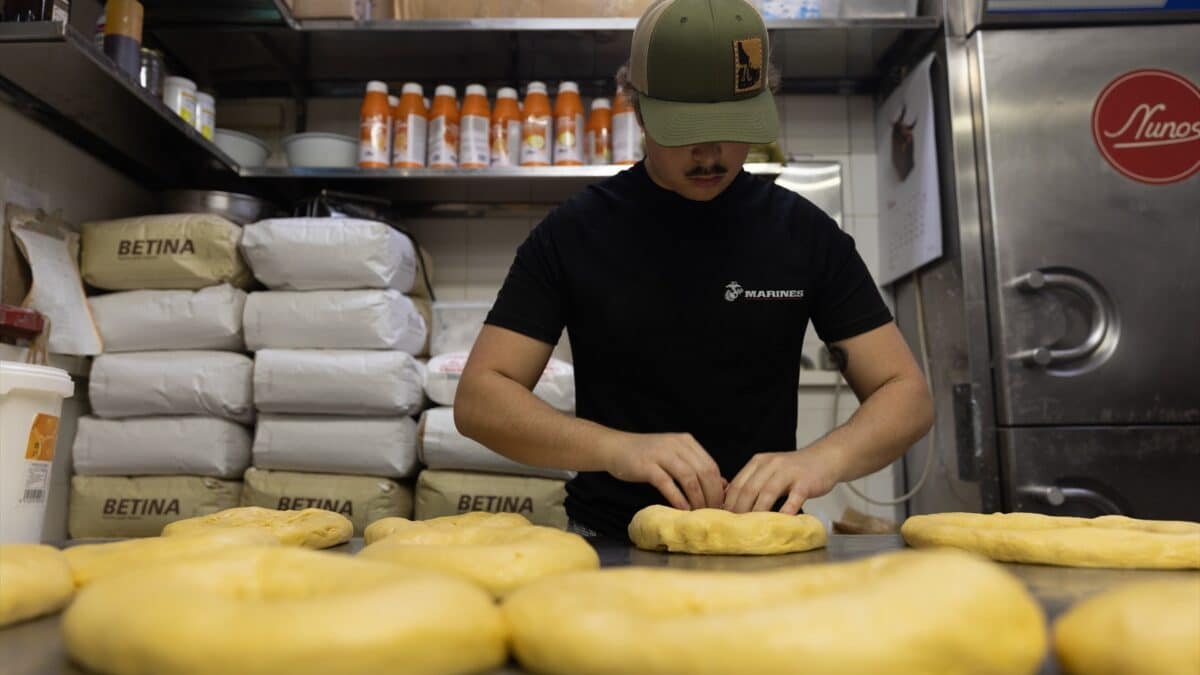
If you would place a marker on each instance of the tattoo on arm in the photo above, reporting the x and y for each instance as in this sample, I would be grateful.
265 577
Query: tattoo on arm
841 359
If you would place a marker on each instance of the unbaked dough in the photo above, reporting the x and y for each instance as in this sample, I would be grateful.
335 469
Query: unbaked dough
1146 628
34 580
911 612
715 531
498 556
385 527
283 611
1107 541
310 528
93 561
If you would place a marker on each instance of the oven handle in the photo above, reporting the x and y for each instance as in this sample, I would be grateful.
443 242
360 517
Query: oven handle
1037 281
1054 495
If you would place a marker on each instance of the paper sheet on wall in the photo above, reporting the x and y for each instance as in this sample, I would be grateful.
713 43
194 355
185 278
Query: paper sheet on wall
57 289
910 218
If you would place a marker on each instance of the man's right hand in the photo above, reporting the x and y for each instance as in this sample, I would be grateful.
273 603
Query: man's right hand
675 464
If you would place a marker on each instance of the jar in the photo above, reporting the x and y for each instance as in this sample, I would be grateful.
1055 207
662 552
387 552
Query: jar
206 114
179 93
150 74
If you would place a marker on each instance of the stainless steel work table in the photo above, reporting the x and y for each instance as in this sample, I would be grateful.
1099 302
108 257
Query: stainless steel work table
35 647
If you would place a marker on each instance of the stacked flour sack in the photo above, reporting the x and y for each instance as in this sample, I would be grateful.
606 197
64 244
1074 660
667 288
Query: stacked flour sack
172 394
462 475
336 376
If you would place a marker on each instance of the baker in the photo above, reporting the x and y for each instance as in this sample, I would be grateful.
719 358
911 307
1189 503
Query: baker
686 286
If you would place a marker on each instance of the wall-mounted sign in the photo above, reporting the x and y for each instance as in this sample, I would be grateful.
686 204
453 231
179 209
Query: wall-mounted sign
1146 123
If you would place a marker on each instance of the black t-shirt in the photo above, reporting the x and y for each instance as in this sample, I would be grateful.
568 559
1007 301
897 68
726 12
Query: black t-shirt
685 316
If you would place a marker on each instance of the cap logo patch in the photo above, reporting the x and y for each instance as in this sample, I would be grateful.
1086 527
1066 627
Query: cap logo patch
748 57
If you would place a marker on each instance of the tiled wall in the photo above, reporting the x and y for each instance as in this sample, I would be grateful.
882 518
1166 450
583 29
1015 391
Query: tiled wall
40 169
472 254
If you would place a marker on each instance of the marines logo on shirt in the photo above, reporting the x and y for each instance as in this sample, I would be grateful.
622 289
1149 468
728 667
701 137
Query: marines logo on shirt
733 290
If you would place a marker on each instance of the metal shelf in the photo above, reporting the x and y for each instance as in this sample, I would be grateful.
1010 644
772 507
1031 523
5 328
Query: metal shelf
54 74
534 185
315 58
601 24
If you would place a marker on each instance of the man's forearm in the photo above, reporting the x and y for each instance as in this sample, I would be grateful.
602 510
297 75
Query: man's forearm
506 417
887 423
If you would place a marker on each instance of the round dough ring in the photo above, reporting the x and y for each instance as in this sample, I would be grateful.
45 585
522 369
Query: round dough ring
904 613
310 528
720 532
1145 628
93 561
283 611
1106 541
497 557
34 580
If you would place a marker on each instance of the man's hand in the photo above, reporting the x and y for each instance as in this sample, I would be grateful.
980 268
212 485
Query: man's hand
674 463
799 475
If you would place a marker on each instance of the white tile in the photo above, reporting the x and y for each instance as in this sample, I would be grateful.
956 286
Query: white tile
450 292
816 125
481 292
491 246
334 115
864 176
862 124
866 240
446 241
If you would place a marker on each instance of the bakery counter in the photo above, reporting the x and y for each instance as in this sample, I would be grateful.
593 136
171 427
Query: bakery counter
36 648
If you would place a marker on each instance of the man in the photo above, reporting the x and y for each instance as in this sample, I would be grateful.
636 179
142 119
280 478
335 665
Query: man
686 285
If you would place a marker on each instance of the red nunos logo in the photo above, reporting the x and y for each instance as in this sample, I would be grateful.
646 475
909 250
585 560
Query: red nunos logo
1147 125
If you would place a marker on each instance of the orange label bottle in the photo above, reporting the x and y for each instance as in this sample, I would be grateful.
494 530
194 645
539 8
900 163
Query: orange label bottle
443 129
473 149
506 129
374 134
410 128
626 132
536 140
568 126
393 112
599 133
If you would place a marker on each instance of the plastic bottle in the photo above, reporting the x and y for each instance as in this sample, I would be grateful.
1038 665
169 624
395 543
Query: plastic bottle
123 34
393 105
410 128
473 149
443 129
506 129
374 136
536 140
599 133
626 132
568 126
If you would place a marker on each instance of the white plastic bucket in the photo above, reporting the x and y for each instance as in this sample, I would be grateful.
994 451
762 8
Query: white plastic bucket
30 404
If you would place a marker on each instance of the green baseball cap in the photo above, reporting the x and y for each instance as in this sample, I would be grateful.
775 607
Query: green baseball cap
700 70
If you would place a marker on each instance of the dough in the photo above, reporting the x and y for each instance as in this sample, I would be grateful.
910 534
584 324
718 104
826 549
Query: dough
283 611
715 531
310 528
1146 628
944 612
498 556
388 526
93 561
34 580
1107 541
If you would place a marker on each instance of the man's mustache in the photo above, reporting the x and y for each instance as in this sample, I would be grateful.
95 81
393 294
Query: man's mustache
703 172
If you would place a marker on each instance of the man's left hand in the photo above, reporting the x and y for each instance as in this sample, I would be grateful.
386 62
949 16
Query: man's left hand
799 475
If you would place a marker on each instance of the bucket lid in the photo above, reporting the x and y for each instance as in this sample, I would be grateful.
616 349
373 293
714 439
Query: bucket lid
15 376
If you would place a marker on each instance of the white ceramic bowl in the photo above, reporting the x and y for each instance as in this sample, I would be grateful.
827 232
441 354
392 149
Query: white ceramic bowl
318 149
242 148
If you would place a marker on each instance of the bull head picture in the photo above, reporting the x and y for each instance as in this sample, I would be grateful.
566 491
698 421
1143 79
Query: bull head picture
903 147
